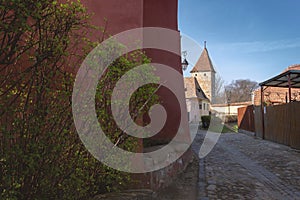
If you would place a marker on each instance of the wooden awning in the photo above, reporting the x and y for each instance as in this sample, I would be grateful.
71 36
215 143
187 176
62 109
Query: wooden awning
287 79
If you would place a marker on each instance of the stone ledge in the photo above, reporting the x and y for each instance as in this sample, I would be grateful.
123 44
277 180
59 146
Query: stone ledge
143 194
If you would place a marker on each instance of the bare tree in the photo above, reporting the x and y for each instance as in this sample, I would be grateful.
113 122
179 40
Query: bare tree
219 90
240 90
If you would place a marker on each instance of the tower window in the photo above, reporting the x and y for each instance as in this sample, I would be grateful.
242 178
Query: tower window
195 74
204 74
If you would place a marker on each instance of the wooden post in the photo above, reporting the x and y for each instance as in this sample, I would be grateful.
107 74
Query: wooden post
290 89
262 111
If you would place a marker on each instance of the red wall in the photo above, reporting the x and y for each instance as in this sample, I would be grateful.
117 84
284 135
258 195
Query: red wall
144 13
120 16
133 14
161 13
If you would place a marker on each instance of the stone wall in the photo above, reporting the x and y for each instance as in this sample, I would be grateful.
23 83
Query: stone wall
207 83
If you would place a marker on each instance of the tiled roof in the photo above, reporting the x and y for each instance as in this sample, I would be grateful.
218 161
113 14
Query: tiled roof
193 89
204 63
292 67
277 95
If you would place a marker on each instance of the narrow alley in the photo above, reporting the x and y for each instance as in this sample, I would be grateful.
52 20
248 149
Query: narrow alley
243 167
239 167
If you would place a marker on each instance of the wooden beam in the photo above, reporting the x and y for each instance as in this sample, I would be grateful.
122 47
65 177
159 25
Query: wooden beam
290 87
262 111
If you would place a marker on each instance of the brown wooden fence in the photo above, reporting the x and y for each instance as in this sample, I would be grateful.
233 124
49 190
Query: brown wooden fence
281 123
258 121
295 125
246 118
277 124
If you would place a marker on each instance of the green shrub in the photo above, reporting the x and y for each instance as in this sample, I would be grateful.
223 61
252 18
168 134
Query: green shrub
41 155
231 118
205 121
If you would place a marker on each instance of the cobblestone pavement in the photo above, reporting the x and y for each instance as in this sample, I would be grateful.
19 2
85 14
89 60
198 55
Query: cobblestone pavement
242 167
184 187
239 167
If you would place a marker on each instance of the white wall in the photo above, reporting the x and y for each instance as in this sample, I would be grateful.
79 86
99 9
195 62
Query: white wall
193 110
225 109
194 113
205 109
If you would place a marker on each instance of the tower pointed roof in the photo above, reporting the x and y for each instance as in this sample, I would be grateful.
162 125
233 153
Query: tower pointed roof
204 63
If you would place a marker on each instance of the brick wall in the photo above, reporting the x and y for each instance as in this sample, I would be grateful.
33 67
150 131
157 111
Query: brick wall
275 95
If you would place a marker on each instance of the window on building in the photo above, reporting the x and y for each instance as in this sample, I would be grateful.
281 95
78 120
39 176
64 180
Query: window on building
200 106
204 74
195 74
203 106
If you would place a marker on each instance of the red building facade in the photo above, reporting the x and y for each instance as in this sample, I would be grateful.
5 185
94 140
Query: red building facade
116 17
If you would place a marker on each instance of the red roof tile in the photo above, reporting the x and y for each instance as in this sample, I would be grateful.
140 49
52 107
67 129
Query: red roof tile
193 89
204 63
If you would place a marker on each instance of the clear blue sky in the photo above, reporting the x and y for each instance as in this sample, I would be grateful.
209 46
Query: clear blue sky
246 39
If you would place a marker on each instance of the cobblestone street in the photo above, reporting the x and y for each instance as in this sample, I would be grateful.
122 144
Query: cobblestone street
238 167
242 167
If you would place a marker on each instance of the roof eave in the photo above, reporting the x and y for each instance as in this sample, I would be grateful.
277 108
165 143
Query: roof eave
276 78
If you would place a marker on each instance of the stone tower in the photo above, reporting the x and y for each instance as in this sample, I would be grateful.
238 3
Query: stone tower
204 72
